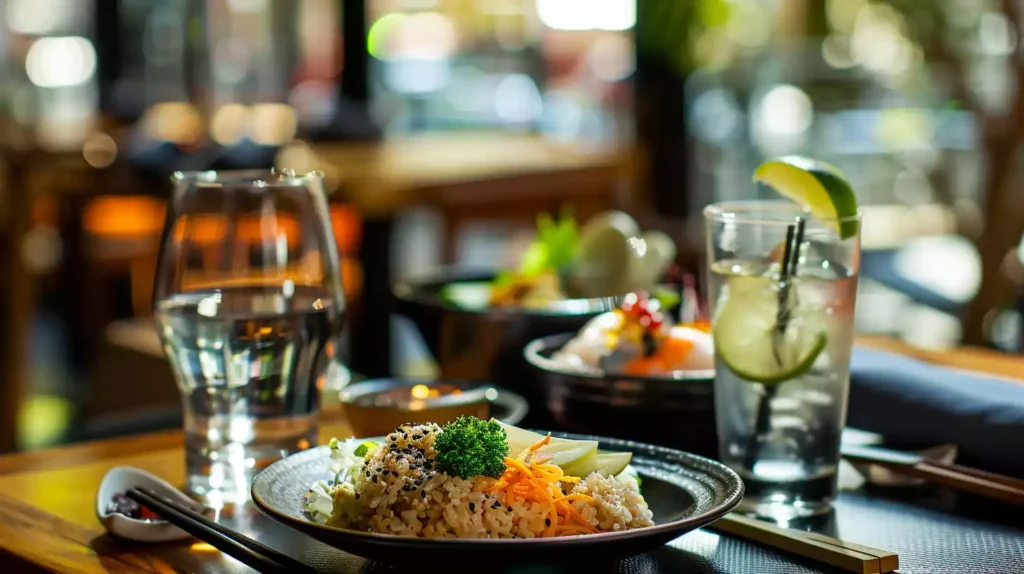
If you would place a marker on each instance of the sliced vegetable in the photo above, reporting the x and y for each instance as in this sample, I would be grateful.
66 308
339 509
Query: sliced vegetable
603 463
559 451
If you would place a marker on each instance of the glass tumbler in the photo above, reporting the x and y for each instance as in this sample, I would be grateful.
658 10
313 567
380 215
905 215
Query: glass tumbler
783 285
248 301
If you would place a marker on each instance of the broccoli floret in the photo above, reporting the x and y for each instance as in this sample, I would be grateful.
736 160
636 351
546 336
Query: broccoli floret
471 447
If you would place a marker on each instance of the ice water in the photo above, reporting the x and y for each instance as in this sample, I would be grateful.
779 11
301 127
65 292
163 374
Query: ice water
789 469
247 361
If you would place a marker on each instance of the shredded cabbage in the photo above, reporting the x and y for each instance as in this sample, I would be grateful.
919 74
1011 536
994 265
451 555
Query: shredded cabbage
319 503
344 465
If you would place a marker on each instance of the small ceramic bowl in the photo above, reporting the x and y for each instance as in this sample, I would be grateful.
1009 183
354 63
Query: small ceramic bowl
375 407
120 480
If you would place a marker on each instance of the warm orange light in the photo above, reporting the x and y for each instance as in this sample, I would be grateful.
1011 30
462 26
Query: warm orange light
207 229
202 548
420 392
303 444
347 227
123 217
176 122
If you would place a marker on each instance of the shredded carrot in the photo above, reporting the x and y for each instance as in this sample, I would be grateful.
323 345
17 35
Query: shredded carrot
536 482
540 444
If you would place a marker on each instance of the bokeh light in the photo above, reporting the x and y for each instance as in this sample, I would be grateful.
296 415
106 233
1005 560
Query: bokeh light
576 15
60 62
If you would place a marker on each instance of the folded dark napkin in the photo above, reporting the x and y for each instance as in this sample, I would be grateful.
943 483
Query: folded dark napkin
915 404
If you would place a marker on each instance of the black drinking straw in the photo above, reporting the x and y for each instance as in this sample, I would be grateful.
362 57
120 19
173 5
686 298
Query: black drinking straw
790 261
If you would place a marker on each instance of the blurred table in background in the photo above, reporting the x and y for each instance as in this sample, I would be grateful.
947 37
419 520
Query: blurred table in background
966 358
465 177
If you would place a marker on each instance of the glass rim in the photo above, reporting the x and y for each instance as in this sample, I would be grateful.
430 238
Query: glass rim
755 211
272 178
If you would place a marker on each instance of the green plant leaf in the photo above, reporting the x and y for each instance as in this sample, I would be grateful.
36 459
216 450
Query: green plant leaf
535 260
667 297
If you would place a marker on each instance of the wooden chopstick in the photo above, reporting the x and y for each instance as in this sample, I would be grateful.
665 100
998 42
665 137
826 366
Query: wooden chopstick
839 553
231 542
959 480
991 476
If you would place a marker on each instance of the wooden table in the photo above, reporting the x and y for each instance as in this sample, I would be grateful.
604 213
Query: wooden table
48 518
47 514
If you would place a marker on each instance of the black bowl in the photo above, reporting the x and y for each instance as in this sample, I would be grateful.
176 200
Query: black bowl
487 344
684 491
675 412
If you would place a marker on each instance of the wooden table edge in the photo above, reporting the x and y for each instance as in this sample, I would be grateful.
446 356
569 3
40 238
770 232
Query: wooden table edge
54 539
71 455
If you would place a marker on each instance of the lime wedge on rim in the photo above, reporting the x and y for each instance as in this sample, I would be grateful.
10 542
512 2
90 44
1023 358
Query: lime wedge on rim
817 186
748 340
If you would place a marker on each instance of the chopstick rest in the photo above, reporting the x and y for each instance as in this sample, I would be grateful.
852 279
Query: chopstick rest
235 544
839 553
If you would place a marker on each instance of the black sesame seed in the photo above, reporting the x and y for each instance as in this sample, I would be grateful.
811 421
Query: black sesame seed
375 478
367 474
357 496
496 505
417 436
510 509
547 522
423 493
472 507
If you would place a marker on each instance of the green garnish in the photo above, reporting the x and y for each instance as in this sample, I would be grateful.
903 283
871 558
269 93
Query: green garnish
365 448
555 246
668 298
471 447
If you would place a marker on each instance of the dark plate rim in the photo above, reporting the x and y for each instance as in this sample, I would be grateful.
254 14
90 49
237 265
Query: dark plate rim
532 353
727 475
413 291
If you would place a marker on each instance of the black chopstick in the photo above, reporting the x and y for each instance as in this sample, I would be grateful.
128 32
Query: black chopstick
233 543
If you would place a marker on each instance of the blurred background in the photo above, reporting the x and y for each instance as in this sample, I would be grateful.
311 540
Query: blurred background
445 126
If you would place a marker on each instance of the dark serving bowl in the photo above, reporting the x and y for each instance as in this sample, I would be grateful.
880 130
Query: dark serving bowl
683 491
486 344
674 412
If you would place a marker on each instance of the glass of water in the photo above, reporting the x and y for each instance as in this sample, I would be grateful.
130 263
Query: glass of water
248 302
783 285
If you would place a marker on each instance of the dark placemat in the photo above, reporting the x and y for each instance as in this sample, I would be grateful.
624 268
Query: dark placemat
934 532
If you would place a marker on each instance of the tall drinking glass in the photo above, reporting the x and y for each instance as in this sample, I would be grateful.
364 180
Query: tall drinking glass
247 302
782 286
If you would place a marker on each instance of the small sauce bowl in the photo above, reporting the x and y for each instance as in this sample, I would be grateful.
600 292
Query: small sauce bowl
121 479
375 407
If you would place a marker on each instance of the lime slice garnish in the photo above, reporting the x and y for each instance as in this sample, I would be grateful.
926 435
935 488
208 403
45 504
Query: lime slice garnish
562 451
748 340
817 186
603 463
